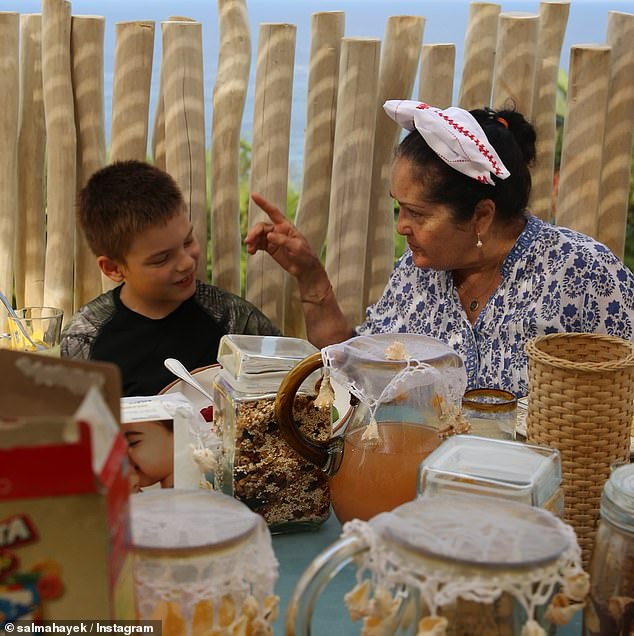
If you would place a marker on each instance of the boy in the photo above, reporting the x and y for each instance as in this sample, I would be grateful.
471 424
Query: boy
134 218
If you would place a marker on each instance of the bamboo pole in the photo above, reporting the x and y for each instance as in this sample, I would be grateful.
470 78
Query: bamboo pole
158 127
87 38
61 155
400 55
134 50
269 165
352 172
479 55
584 128
619 134
185 123
311 218
435 82
515 61
229 97
553 17
9 92
30 229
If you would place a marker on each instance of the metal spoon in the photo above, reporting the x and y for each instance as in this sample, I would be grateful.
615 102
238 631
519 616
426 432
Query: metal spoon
179 370
5 301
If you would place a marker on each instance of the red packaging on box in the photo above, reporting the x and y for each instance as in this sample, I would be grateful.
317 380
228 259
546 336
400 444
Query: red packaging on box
64 517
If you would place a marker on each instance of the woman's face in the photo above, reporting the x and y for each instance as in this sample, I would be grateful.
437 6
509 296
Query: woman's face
435 239
151 453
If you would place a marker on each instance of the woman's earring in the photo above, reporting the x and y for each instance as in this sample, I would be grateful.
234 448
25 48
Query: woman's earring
479 242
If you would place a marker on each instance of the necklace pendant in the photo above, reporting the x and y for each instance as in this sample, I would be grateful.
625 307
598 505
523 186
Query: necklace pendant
474 305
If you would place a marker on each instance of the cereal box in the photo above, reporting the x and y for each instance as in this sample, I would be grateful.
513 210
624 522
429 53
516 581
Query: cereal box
64 522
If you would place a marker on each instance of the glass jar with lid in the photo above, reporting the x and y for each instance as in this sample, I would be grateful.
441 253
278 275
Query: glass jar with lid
452 565
491 412
203 563
257 466
511 470
611 610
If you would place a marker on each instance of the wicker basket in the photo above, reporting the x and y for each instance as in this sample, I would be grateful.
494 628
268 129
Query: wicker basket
580 401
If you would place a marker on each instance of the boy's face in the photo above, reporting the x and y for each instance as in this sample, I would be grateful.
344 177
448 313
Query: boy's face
151 453
160 269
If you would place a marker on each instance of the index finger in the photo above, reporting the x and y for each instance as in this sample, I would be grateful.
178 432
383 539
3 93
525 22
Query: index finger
274 213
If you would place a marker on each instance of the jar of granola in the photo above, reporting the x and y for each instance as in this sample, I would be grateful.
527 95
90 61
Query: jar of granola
256 465
612 568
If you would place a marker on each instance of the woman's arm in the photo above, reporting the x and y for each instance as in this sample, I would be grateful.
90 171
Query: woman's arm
325 322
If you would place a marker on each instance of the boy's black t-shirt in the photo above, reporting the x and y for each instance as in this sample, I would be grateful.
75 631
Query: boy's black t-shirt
139 345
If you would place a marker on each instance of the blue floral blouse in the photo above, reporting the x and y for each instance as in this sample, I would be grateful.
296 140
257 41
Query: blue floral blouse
553 280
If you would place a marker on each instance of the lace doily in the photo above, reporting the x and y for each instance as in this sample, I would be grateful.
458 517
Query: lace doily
472 548
415 372
203 559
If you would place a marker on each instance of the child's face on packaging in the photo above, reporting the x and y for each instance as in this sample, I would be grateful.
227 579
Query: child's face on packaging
151 453
160 269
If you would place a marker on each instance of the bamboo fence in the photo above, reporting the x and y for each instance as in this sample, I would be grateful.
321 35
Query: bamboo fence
52 135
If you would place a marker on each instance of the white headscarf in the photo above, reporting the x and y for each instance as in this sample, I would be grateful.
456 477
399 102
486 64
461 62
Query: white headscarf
453 134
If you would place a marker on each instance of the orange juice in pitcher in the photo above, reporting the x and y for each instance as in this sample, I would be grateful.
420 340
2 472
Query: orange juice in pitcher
406 391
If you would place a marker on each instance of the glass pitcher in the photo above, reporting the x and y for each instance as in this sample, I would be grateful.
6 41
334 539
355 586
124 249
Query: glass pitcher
405 397
456 565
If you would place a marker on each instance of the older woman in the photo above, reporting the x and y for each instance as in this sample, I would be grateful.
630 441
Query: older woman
480 272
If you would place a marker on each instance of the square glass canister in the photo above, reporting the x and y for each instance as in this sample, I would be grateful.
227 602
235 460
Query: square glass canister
508 470
257 466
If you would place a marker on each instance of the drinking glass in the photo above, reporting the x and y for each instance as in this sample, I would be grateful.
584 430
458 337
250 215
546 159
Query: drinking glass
43 326
491 412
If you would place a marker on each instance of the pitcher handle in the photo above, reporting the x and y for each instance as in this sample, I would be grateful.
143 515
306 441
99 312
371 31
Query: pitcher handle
316 576
326 455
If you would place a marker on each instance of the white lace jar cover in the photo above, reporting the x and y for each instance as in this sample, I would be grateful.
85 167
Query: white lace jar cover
401 368
465 547
203 563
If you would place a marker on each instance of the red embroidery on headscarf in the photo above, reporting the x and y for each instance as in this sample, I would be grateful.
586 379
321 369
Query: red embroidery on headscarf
479 145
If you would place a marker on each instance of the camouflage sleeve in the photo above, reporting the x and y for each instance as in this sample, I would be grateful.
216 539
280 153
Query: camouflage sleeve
84 327
235 314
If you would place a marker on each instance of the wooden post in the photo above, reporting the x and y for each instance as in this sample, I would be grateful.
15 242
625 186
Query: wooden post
514 71
158 128
400 55
9 93
553 17
269 165
134 50
584 128
435 82
229 97
311 217
61 155
30 229
479 55
352 172
185 123
87 46
619 133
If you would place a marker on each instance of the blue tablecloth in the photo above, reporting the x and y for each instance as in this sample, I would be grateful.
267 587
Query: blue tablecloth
296 551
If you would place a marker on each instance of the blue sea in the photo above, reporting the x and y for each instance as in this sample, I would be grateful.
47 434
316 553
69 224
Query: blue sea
445 21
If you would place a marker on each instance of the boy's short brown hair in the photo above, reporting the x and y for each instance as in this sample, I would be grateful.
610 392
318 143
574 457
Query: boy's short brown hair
122 200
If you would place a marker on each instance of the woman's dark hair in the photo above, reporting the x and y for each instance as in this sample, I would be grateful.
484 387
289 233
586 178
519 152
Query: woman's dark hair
515 146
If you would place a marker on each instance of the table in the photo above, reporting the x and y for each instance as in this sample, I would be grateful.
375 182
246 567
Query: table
296 551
